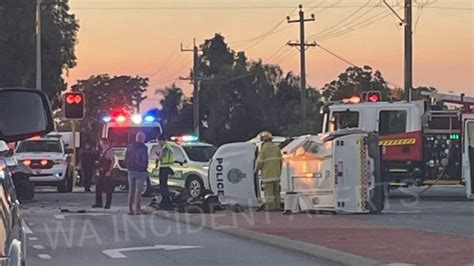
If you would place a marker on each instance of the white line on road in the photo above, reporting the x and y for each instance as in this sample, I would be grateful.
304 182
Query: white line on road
400 212
59 217
33 238
44 256
38 247
117 253
27 229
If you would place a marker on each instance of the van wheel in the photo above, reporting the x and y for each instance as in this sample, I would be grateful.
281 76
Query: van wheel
194 187
66 185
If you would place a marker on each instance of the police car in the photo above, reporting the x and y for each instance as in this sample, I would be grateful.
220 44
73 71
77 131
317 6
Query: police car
191 165
48 158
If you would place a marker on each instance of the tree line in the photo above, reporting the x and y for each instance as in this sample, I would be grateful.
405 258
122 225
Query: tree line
239 97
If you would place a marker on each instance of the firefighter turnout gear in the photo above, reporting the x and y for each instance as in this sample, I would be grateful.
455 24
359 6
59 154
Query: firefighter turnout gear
269 162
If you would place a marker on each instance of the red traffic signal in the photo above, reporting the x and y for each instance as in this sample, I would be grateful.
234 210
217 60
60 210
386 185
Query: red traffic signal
74 98
371 96
374 96
73 105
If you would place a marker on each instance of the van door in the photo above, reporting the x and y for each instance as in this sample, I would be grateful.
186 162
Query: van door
468 154
231 174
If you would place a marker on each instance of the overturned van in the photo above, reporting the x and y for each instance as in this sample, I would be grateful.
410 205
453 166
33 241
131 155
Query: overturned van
338 171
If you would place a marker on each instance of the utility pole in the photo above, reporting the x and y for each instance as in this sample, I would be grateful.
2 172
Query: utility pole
407 22
408 50
302 48
196 83
38 44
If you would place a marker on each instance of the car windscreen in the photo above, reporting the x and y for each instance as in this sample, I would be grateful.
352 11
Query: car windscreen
40 146
122 136
200 153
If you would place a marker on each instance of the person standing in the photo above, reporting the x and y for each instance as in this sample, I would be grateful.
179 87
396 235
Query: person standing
104 182
136 161
87 159
269 162
166 160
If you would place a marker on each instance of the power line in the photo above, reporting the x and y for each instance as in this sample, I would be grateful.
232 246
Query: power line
170 59
356 27
336 55
340 22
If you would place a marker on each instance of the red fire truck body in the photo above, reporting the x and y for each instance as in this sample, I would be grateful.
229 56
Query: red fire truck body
423 142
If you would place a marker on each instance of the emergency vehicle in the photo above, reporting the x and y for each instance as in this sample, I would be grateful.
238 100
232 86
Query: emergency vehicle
121 128
338 171
423 142
48 157
191 165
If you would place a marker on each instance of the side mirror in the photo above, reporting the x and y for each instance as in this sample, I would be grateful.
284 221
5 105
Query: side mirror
24 113
69 151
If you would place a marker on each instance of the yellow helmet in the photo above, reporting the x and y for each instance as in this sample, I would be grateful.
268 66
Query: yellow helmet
265 136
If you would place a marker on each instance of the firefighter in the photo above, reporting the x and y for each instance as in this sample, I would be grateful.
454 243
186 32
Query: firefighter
269 162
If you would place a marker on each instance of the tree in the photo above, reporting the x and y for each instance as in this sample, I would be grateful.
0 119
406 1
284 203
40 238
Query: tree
105 95
354 81
240 98
17 45
176 111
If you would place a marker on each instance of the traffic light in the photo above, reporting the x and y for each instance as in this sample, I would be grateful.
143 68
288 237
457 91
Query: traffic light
73 105
373 96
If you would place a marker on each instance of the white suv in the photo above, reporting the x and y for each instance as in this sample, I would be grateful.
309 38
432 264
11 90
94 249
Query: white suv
48 158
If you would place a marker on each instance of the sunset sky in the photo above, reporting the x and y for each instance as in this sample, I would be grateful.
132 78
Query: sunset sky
138 37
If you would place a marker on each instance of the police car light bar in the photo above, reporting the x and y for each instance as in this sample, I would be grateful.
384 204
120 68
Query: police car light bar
137 119
188 138
149 118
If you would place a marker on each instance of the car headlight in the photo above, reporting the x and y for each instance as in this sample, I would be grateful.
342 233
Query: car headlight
205 167
58 161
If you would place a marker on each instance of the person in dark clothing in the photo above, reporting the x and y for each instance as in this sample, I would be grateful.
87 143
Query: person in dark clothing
87 159
136 160
104 183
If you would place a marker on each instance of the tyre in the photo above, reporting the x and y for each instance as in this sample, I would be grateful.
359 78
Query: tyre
66 185
194 187
25 190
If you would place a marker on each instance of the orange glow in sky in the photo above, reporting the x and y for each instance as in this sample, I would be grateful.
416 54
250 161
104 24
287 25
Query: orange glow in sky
143 38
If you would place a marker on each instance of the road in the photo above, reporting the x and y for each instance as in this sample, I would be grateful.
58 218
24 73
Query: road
112 237
442 209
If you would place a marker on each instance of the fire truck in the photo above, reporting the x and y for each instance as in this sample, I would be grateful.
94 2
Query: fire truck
424 142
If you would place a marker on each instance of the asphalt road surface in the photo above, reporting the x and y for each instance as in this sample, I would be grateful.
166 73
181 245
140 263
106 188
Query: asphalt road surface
112 237
443 209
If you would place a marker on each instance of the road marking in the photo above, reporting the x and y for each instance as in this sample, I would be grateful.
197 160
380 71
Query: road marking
117 253
39 247
44 256
32 238
59 217
401 212
27 229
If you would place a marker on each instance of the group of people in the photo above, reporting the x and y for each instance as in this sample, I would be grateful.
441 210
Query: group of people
269 162
136 161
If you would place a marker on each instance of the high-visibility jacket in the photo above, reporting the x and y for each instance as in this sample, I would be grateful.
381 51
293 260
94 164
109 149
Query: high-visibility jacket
269 161
167 153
